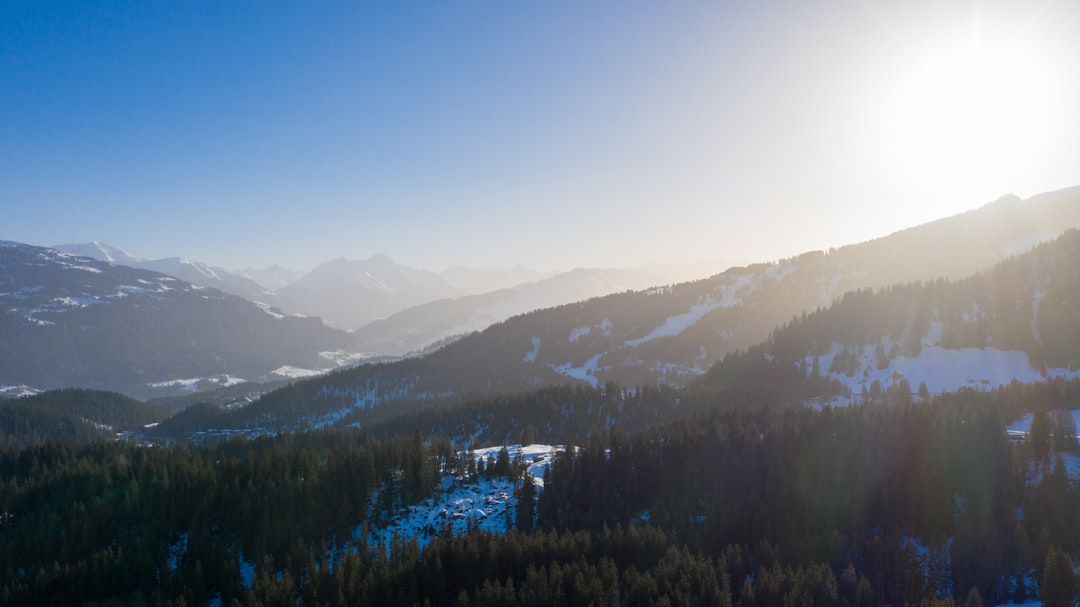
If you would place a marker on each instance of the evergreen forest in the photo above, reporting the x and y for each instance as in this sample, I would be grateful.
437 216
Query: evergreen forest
921 503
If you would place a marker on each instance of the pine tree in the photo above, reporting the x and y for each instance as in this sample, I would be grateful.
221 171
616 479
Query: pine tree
526 503
1058 582
879 356
974 599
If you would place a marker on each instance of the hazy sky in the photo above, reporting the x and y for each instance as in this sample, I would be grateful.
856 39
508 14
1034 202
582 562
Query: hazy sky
554 134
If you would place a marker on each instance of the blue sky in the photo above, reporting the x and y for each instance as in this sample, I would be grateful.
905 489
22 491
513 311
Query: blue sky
551 134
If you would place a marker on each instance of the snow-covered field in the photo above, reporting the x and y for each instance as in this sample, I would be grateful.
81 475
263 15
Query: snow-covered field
941 369
536 457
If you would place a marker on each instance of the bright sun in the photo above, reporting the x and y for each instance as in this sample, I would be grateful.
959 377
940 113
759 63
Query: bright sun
970 112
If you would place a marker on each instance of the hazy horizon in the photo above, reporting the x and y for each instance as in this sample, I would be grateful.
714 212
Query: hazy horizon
437 269
553 136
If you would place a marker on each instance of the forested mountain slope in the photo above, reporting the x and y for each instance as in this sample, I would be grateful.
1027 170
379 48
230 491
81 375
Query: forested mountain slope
420 326
73 415
1017 321
673 334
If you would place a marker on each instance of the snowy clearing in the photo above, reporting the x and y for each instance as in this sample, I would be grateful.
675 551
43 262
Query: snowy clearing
942 370
458 506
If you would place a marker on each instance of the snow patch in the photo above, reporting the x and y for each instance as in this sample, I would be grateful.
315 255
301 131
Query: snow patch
265 307
72 266
201 268
586 372
342 357
173 383
778 272
530 357
229 380
18 391
247 571
177 551
76 302
678 323
537 457
191 384
292 372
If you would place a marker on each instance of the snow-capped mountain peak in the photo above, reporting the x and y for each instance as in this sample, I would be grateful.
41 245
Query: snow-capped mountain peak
100 251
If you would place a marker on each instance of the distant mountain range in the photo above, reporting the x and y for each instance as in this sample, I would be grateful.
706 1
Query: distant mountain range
271 277
169 346
396 309
674 335
349 294
194 272
71 321
407 308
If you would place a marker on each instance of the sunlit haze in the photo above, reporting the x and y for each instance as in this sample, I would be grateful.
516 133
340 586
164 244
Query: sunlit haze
554 135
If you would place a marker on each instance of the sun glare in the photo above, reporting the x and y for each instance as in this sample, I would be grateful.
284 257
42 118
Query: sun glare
969 113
